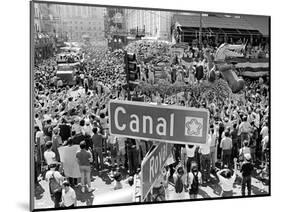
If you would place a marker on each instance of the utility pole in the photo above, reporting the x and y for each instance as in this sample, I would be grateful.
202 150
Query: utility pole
200 32
127 75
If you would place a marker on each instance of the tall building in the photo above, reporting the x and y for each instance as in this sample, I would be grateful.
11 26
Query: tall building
46 27
152 23
47 18
79 21
115 28
37 18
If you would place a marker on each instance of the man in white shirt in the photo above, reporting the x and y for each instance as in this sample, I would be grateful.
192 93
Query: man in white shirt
244 129
264 130
39 136
190 155
49 155
227 180
213 146
68 196
264 150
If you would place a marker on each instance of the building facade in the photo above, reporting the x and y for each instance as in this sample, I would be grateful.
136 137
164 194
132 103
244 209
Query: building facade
46 28
37 18
154 24
79 21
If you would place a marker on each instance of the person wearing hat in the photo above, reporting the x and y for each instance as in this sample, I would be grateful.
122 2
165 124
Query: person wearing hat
246 170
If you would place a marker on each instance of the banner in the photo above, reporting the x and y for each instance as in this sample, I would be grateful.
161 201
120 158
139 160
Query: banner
68 159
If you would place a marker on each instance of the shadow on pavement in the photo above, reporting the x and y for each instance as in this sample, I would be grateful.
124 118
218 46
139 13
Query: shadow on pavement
214 184
87 197
203 194
257 191
216 188
104 175
39 191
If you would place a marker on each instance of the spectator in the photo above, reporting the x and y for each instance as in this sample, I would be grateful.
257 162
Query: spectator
97 149
244 150
132 155
226 145
55 179
49 155
179 183
227 180
68 196
65 130
205 160
235 139
84 158
246 170
213 146
244 129
190 154
57 142
194 180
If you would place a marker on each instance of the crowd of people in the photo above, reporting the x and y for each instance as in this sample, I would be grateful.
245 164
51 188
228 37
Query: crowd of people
75 118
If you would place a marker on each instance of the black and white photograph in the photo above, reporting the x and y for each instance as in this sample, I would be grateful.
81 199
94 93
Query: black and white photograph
134 105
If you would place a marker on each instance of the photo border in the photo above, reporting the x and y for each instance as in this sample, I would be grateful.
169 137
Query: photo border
31 98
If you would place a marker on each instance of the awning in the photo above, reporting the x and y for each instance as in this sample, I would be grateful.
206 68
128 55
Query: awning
215 25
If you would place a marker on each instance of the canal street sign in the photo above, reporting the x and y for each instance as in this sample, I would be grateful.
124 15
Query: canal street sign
152 166
173 124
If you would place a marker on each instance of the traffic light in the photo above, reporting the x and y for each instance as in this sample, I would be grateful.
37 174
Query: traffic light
131 67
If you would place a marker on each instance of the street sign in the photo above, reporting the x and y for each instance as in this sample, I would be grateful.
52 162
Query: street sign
152 166
173 124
